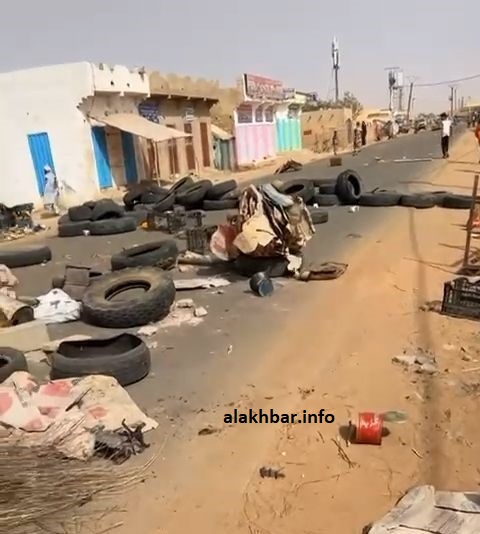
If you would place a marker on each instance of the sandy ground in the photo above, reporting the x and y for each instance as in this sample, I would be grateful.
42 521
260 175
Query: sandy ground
343 365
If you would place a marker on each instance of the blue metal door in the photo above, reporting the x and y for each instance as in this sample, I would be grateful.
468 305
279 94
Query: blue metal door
102 160
129 162
41 155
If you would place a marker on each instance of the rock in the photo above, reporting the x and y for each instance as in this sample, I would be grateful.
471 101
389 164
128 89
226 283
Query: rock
404 360
200 312
427 368
148 330
185 303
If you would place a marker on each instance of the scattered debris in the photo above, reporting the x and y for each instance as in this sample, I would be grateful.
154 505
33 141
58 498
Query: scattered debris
119 446
395 416
369 429
229 350
423 364
306 392
57 307
343 455
324 271
209 430
353 209
13 312
185 303
270 472
200 312
411 160
261 284
289 166
148 330
8 281
201 283
423 509
433 305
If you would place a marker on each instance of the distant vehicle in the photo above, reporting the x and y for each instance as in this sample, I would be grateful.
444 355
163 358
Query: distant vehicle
420 124
404 126
436 125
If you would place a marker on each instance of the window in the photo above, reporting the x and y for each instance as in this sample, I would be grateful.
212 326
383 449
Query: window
244 114
259 114
269 114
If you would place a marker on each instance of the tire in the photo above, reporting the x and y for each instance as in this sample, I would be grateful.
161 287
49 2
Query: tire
25 256
217 191
456 202
151 197
165 204
249 265
194 195
327 188
90 204
113 226
439 197
131 198
138 216
107 210
151 306
79 213
125 357
11 360
58 282
224 204
235 194
349 187
380 199
162 254
182 185
63 219
73 229
419 201
300 188
326 200
318 216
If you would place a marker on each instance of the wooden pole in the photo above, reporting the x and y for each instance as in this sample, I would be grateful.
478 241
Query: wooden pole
466 256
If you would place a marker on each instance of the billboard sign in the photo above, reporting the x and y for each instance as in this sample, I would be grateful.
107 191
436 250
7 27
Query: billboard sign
259 88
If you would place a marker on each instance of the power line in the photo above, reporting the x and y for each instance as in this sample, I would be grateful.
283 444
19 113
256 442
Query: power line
448 82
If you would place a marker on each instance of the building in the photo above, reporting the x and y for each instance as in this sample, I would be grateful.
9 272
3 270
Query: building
319 125
82 120
182 103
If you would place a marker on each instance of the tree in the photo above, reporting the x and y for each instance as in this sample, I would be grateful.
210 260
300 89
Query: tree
349 100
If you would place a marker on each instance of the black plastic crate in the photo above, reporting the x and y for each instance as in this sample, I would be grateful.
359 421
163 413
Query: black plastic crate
461 298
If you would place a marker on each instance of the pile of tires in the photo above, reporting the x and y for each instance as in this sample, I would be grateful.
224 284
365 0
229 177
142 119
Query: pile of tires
103 217
189 194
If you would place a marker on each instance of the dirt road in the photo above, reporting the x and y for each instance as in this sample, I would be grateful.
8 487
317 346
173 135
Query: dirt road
334 351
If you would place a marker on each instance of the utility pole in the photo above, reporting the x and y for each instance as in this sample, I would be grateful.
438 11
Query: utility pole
336 65
452 91
410 95
391 85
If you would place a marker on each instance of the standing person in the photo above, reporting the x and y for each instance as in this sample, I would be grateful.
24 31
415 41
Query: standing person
357 138
446 132
51 192
335 142
364 133
477 135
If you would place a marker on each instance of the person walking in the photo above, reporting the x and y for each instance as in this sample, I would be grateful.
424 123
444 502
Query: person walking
51 191
477 135
364 133
446 133
357 138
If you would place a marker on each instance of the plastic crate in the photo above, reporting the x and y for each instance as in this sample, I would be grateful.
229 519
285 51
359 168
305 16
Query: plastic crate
461 298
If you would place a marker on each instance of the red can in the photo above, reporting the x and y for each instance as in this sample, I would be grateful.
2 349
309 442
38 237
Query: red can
369 428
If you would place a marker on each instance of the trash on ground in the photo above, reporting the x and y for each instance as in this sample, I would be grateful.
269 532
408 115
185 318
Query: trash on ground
395 416
423 509
411 160
8 281
192 258
270 472
261 284
209 430
120 445
13 312
57 307
200 312
184 303
353 209
433 305
461 298
369 429
420 363
201 283
289 166
324 271
66 413
148 330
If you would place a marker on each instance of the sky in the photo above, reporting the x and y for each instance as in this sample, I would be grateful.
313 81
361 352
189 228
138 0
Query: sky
432 40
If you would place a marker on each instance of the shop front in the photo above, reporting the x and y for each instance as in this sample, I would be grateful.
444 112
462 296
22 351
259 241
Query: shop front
254 119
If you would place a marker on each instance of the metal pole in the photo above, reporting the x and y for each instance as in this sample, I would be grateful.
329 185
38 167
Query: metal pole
409 107
451 100
336 83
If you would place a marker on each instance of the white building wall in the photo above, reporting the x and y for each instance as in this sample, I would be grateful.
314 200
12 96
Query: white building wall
58 100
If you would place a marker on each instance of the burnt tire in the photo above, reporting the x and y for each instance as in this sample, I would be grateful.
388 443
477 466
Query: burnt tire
73 229
11 360
126 358
90 204
217 191
151 306
326 188
456 202
25 256
349 187
318 216
233 194
249 265
162 254
380 199
151 197
105 210
418 201
113 226
224 204
326 200
79 213
131 198
299 188
194 195
182 185
165 204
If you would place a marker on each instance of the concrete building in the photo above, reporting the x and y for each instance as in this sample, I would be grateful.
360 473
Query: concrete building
81 119
318 127
182 103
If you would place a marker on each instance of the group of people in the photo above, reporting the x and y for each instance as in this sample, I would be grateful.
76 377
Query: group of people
359 136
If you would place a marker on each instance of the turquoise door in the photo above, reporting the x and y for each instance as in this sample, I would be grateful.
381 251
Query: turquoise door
128 145
104 170
41 153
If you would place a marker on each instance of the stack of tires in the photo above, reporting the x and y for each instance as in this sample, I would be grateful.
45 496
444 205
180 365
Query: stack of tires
104 217
187 193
